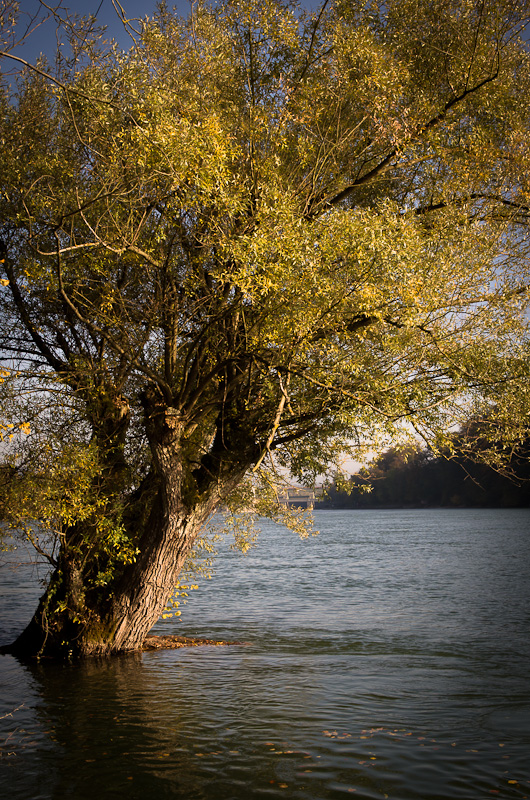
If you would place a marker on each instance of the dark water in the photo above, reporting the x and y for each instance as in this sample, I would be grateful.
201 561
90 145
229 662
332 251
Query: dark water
387 658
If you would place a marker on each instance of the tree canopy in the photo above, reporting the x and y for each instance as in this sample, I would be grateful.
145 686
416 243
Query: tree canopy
259 231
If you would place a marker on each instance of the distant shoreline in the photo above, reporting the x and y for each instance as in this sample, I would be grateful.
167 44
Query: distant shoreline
319 507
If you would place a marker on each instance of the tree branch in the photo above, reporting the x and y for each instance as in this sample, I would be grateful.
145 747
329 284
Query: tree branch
383 165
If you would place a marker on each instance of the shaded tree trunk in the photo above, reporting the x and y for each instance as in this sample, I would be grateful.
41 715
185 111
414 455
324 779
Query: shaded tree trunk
75 618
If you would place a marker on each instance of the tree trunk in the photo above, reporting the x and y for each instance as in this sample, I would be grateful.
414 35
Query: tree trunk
75 619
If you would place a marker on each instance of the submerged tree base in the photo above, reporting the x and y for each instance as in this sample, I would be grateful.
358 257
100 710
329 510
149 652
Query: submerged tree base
150 643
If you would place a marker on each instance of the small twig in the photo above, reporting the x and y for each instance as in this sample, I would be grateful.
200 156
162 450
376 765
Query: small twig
10 713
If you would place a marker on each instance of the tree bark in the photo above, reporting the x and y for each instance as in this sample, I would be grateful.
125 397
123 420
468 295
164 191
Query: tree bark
77 620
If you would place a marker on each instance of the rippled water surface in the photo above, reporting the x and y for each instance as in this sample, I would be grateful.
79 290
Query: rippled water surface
388 657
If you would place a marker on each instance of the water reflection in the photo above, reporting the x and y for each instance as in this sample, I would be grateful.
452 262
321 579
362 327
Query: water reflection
163 724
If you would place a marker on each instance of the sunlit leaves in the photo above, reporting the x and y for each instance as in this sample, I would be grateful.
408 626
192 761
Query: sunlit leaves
179 597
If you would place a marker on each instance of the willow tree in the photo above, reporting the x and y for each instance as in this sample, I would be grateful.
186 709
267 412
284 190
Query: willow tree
259 232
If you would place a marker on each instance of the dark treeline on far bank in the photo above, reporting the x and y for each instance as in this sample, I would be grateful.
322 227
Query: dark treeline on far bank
415 478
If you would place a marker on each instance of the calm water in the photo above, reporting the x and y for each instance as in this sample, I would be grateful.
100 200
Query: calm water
387 658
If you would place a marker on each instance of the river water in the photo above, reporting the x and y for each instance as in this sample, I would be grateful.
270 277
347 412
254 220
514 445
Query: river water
388 657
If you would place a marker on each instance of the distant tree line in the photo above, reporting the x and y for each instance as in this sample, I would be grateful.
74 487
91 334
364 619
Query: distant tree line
414 477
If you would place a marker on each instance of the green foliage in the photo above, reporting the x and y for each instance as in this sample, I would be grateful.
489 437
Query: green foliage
59 490
258 495
52 484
